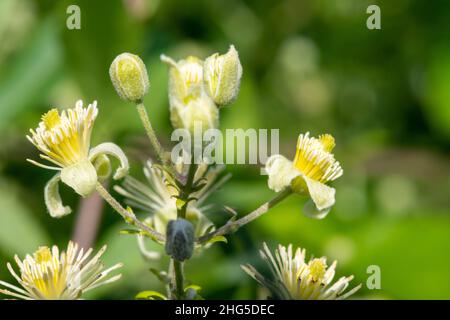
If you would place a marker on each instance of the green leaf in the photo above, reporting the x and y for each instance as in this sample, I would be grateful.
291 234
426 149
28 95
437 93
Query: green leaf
150 295
217 239
193 287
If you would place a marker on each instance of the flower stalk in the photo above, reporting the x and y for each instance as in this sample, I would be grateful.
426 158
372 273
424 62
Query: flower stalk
179 279
128 216
234 225
150 132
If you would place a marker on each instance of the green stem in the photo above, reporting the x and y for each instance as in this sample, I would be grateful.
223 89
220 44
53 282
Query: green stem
128 216
181 213
151 133
185 193
179 279
233 226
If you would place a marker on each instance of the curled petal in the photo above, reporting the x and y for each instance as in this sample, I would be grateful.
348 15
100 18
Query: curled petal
109 148
148 255
281 172
310 210
103 167
53 200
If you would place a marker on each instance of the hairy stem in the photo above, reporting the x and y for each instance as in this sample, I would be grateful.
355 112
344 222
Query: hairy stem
233 226
151 133
128 216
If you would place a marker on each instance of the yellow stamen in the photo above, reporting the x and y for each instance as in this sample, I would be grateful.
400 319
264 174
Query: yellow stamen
43 254
314 159
51 119
327 142
317 269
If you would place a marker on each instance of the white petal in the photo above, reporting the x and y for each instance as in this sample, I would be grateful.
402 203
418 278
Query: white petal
281 172
112 149
310 210
53 199
81 177
322 199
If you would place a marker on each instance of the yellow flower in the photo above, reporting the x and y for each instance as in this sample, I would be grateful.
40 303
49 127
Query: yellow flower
189 102
313 166
64 140
51 275
294 278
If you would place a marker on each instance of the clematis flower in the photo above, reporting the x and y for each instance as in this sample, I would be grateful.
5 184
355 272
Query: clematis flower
54 275
64 140
313 166
188 99
157 199
294 278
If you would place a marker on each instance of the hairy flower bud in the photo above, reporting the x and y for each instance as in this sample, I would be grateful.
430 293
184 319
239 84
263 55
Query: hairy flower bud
189 102
222 76
180 239
129 77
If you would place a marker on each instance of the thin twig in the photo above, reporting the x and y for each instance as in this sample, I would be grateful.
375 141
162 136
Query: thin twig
150 132
234 225
127 215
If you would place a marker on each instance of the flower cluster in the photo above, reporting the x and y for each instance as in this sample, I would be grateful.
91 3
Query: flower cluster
198 88
157 199
173 197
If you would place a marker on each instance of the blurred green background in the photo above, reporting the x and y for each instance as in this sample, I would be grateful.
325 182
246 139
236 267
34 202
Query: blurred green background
308 66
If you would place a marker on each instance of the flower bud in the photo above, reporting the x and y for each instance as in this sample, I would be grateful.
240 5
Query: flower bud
129 77
222 76
180 239
189 103
201 112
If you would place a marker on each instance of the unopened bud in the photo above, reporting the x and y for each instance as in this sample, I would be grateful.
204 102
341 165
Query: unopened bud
222 76
129 77
180 239
189 102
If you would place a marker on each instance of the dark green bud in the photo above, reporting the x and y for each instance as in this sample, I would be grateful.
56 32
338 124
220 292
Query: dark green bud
180 239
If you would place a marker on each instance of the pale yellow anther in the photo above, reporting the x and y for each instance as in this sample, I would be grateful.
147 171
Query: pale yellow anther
43 254
317 269
327 142
51 119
